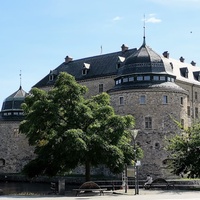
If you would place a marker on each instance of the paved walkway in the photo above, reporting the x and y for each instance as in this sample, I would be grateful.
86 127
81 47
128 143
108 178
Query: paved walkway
119 195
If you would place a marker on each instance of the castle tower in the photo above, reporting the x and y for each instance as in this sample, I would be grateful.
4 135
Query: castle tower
14 149
145 88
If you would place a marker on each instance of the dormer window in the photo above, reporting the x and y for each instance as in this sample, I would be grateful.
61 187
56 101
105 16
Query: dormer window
120 61
52 75
85 69
196 75
184 72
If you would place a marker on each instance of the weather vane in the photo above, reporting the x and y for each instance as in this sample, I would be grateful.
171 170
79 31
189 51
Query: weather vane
20 75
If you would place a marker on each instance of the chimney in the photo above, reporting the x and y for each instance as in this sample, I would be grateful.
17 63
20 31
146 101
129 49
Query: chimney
182 59
68 59
124 48
193 63
166 54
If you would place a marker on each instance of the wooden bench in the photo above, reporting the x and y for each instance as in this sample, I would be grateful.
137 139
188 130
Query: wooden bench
89 186
159 183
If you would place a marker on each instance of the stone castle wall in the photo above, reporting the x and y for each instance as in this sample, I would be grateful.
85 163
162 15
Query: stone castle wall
15 151
153 140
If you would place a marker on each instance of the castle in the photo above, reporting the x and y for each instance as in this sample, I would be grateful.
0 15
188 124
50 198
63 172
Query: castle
155 89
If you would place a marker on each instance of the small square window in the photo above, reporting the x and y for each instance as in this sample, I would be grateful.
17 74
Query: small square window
121 100
147 78
125 80
140 78
181 100
165 99
142 99
188 110
196 95
196 112
156 78
51 77
84 71
162 78
148 122
100 88
182 123
131 78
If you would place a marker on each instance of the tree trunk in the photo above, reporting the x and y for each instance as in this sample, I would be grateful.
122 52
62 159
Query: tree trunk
87 170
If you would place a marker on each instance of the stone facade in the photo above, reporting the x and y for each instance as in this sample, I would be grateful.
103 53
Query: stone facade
155 89
14 148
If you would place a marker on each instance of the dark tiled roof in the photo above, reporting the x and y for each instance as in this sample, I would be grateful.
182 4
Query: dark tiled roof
19 94
11 108
100 66
144 60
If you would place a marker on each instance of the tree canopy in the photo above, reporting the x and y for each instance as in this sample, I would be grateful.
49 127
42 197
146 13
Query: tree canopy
69 130
185 152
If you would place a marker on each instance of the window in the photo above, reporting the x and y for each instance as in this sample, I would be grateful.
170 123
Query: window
165 99
156 78
196 95
140 78
121 100
196 113
181 100
100 88
162 78
188 110
142 99
148 122
125 80
84 71
182 123
51 77
184 72
131 78
117 82
146 78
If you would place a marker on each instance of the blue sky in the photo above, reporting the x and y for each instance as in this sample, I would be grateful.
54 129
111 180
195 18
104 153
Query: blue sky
36 35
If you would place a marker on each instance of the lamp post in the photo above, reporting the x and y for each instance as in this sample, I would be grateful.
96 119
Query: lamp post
134 135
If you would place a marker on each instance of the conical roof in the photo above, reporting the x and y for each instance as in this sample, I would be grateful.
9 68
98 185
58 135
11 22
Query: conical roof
11 108
144 55
144 60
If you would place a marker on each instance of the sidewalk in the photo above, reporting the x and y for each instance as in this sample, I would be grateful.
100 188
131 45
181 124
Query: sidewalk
119 195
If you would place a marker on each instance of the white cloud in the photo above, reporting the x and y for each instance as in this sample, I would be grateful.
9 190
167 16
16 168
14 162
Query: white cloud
152 19
117 18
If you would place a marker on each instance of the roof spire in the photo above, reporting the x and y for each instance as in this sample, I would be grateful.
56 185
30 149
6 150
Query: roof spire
144 26
20 75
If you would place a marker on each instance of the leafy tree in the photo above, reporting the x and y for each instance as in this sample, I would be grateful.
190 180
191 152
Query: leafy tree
185 152
68 130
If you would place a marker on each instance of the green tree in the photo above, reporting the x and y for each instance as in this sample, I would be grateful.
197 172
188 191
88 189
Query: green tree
68 130
185 152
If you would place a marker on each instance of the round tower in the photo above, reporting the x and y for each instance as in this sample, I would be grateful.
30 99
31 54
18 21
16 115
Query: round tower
14 147
145 88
